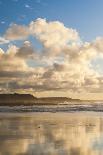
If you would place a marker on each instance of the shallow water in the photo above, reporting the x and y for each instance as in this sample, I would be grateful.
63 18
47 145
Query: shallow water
51 134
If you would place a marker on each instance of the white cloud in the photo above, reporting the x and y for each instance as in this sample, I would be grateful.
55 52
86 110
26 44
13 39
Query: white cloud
62 64
3 41
44 31
16 32
52 33
27 6
2 22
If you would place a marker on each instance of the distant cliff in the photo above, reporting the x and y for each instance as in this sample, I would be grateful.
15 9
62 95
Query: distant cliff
16 96
56 100
17 99
28 99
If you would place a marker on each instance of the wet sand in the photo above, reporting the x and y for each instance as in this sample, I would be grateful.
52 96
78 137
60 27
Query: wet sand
77 133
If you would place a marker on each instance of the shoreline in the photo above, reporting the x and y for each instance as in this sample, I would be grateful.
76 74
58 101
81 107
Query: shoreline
54 108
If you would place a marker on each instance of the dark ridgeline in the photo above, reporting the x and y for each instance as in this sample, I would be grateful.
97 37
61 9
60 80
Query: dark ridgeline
28 99
56 100
16 99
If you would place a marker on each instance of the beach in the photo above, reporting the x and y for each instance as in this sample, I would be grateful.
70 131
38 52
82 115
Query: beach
75 133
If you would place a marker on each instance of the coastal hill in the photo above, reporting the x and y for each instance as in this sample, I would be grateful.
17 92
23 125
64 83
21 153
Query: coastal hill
28 99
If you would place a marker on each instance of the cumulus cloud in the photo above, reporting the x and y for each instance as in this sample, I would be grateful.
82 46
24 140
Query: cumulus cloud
52 33
3 41
26 51
43 30
64 63
16 32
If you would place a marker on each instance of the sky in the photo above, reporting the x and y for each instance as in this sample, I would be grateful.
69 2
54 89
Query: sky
85 16
52 47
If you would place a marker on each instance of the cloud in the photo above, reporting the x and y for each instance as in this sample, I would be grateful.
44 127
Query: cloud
2 22
26 51
27 6
64 62
16 32
3 41
45 31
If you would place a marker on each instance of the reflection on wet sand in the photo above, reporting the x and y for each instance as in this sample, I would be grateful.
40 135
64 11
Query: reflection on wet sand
51 134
